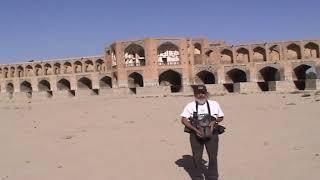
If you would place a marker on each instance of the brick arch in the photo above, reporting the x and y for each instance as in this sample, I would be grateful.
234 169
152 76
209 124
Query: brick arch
84 83
28 70
105 82
135 79
134 48
242 55
44 85
67 67
38 70
171 78
100 65
9 88
5 72
293 51
56 68
88 66
12 71
172 44
197 48
77 66
303 73
63 84
311 50
20 71
134 55
206 77
168 53
237 75
274 53
269 73
25 86
259 54
47 69
226 56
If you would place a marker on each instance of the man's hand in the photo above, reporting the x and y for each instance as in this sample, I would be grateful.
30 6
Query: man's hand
212 125
199 133
186 122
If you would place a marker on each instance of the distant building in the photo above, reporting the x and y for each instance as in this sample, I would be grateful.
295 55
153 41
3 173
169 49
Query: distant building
170 65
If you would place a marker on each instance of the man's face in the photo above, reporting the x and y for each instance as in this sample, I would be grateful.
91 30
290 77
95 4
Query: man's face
201 96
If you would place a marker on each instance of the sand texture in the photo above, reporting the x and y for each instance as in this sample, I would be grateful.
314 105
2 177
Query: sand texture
270 136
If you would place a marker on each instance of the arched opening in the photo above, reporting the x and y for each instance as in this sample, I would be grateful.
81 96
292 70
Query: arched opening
171 78
77 67
206 77
197 49
226 56
168 54
12 71
26 87
56 68
105 82
20 71
29 70
84 83
259 54
67 68
38 70
311 50
88 66
10 88
301 72
134 55
274 53
47 69
197 54
304 74
63 84
293 51
5 72
135 80
237 75
44 85
268 76
100 66
210 56
243 55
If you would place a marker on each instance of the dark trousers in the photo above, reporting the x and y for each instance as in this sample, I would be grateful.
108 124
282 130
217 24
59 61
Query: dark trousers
197 146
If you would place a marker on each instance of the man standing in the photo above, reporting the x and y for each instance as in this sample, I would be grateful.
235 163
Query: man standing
202 107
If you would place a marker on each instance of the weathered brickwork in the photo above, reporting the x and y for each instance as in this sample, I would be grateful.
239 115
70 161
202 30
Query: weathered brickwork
154 66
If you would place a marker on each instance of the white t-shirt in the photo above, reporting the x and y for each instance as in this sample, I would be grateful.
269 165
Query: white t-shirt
215 109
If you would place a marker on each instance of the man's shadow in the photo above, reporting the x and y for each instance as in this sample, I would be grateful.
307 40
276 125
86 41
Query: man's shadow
187 163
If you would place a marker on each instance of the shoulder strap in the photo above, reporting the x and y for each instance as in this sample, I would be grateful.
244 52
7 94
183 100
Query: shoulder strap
197 104
208 106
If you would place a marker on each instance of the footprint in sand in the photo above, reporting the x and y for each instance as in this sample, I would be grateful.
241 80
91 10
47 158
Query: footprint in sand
4 177
291 104
129 122
67 137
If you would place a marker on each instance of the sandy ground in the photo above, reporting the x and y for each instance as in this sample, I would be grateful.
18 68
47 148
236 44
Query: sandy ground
269 136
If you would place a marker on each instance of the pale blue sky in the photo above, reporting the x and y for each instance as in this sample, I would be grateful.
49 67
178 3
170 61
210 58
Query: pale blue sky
40 29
